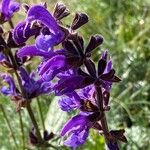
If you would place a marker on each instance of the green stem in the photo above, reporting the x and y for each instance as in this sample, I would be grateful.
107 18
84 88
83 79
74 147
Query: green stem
24 95
8 124
40 113
11 24
22 130
30 112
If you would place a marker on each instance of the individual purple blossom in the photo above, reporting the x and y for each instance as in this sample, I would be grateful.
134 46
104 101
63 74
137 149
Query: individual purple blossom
78 130
78 100
24 31
32 87
7 9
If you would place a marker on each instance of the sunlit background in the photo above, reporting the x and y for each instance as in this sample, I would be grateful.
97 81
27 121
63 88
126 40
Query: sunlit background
125 26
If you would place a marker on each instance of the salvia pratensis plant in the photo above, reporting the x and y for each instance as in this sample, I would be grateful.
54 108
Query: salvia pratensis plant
66 70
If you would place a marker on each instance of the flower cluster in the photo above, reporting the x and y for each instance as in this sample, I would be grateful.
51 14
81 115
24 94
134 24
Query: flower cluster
66 69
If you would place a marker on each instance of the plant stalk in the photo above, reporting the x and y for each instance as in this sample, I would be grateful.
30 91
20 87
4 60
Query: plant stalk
9 125
40 113
103 120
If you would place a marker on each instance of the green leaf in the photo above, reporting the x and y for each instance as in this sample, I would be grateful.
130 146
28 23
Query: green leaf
55 117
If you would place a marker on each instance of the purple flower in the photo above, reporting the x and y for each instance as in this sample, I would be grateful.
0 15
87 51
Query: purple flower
78 100
9 90
68 83
78 130
7 9
23 31
32 87
70 102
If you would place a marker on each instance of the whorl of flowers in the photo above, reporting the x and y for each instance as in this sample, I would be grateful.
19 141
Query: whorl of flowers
66 69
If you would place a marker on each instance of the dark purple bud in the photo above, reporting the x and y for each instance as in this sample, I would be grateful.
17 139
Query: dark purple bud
26 7
108 76
119 135
74 61
112 146
60 11
79 20
90 67
116 79
101 66
79 43
95 41
82 73
71 49
48 136
106 96
32 138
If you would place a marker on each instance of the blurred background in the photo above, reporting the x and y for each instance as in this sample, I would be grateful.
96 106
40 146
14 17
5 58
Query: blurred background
125 26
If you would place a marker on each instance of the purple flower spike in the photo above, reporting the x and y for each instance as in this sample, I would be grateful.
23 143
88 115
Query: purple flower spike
8 8
9 90
23 32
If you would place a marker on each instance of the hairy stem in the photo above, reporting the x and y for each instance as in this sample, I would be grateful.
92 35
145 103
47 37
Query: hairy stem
9 125
40 113
24 95
30 112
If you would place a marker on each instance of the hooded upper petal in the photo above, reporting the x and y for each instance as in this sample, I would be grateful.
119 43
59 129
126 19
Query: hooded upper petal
32 50
23 31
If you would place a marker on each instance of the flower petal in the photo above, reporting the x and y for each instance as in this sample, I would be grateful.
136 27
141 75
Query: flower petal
55 63
38 12
32 50
23 31
76 121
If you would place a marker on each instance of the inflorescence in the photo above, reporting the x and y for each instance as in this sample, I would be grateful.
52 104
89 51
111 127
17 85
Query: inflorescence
66 70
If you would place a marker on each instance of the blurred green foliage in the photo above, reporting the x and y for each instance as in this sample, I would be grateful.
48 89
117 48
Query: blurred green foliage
125 26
